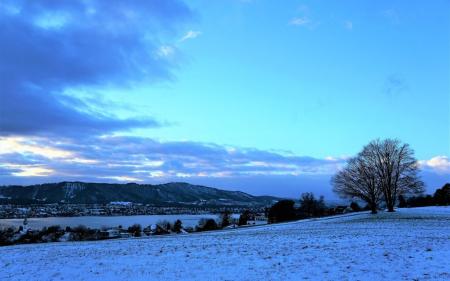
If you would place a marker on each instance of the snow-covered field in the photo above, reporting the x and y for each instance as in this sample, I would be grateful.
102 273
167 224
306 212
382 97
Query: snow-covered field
411 244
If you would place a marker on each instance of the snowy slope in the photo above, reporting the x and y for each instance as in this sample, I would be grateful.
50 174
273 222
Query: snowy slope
412 244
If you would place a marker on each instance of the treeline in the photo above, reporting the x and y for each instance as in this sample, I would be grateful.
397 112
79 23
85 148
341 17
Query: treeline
308 207
441 197
14 235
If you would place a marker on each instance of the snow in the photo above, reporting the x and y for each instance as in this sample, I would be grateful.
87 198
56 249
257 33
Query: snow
411 244
71 188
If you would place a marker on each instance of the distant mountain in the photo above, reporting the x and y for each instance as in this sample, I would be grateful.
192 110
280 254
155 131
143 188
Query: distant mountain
170 194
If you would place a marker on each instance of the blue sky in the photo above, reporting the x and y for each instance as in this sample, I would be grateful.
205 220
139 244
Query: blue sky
253 95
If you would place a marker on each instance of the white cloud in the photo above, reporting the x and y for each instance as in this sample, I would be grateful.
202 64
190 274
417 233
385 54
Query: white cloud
190 35
32 146
438 163
123 178
27 170
348 25
165 51
300 21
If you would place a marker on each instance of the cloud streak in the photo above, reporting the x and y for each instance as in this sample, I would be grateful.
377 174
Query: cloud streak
190 35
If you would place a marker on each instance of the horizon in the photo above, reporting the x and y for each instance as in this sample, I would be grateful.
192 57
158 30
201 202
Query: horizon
253 96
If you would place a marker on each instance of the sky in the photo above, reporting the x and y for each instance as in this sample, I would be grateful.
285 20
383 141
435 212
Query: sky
259 96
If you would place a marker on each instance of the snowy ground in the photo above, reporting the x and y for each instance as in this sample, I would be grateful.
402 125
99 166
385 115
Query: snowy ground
411 244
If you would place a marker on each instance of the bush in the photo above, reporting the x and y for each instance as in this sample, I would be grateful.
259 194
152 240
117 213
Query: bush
82 233
52 233
6 235
135 230
355 207
165 225
207 225
177 226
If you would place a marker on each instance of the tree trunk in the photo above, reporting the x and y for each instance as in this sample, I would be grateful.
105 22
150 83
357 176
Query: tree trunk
390 207
373 209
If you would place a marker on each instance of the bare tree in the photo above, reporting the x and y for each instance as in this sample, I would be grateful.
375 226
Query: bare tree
358 180
396 169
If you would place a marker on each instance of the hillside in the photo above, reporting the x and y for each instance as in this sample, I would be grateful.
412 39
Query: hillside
170 194
410 244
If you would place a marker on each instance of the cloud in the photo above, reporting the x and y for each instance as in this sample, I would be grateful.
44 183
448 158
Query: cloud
302 21
440 164
348 25
139 159
49 47
190 35
166 51
143 159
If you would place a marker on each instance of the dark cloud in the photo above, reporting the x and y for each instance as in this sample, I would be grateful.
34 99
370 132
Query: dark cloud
50 46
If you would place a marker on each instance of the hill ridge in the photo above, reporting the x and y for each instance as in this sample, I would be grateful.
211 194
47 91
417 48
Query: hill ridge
171 193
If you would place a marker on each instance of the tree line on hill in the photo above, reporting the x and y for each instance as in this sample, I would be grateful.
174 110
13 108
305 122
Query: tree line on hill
441 197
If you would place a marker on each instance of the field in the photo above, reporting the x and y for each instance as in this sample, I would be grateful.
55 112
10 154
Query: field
411 244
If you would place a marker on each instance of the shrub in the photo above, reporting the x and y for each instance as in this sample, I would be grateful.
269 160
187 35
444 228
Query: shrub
82 233
206 225
177 226
135 230
165 225
6 235
355 207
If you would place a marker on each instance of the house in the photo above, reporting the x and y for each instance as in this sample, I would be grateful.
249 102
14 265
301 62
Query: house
256 219
124 234
113 233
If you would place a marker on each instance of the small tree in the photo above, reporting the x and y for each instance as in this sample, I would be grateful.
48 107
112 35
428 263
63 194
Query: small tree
177 226
311 207
225 219
165 225
206 225
135 230
442 195
244 217
282 211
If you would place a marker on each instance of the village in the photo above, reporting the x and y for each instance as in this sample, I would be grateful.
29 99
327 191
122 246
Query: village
10 211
